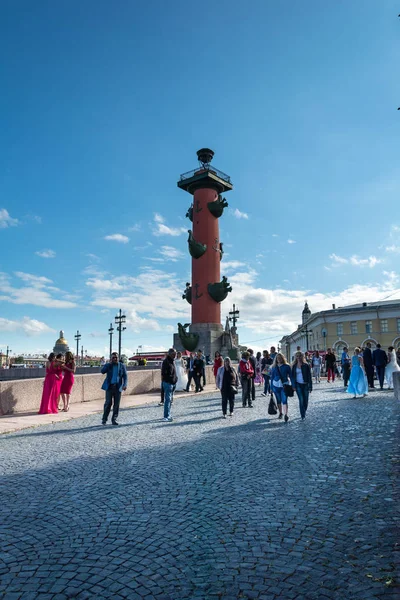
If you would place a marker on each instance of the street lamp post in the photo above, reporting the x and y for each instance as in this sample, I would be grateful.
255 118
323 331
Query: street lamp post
307 332
77 338
110 333
119 320
8 352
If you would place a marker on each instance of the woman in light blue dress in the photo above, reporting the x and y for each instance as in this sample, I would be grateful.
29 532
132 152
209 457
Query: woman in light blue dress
358 385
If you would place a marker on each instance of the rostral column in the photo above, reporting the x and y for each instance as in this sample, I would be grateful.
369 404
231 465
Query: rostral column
207 290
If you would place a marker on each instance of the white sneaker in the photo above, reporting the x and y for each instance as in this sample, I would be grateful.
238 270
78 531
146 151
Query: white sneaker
262 394
169 419
165 419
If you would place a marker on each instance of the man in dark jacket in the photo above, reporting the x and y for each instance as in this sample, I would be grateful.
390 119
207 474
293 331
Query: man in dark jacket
252 360
345 360
115 382
190 372
379 358
198 370
330 364
169 379
369 365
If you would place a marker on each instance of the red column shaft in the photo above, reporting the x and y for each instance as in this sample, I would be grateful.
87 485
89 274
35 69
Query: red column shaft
205 269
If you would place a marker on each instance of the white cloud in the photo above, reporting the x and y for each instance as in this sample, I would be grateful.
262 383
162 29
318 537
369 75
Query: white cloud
153 293
275 235
36 280
275 312
28 326
6 220
135 227
37 292
291 241
239 214
355 261
228 265
170 253
159 227
393 248
46 253
117 237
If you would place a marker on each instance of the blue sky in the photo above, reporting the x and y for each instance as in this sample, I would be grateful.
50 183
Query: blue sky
104 105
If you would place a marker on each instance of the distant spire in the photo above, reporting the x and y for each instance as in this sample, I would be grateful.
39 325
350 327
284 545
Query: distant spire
306 314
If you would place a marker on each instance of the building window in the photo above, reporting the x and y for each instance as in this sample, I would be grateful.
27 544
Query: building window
384 326
340 328
368 326
353 327
398 325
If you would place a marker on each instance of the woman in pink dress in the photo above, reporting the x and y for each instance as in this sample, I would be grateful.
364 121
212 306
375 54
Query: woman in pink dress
51 386
68 380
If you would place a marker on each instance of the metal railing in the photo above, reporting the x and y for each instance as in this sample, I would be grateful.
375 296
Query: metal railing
201 170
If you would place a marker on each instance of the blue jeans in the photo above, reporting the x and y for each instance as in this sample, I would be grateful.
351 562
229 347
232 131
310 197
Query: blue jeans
302 394
280 395
168 396
266 383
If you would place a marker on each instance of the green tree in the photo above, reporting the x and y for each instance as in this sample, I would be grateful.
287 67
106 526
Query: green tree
19 360
124 359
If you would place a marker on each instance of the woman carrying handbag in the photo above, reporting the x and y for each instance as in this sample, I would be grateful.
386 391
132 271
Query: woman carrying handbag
280 383
227 382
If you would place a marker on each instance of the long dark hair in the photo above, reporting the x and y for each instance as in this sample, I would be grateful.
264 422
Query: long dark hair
51 356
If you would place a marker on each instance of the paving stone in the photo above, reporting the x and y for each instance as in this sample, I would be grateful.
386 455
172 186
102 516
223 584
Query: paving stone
247 508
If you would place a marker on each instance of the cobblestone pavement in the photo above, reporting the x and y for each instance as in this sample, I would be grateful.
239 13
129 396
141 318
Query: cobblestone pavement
202 508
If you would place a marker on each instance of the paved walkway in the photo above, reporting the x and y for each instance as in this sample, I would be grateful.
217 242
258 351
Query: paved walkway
17 421
205 508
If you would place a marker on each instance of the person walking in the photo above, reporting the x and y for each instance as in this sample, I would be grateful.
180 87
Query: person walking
68 380
253 363
272 353
115 382
227 382
51 386
358 385
280 376
391 367
198 370
345 362
218 363
379 359
190 371
369 365
316 363
246 375
169 379
258 378
330 363
302 382
266 363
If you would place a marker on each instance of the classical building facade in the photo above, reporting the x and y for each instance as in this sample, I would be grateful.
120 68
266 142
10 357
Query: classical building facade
350 326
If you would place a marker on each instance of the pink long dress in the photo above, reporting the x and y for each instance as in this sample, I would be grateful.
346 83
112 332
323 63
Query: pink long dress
51 390
68 380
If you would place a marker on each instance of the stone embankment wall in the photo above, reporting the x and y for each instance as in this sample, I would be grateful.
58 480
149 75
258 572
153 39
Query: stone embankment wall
24 395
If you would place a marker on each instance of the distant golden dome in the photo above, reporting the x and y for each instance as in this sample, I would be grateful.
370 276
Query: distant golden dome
62 342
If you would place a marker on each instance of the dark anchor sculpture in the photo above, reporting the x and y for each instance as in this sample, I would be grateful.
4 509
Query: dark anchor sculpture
187 294
189 213
196 249
219 291
216 208
221 250
189 340
197 295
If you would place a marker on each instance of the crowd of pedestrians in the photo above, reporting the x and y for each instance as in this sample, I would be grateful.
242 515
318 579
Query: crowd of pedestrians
270 370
